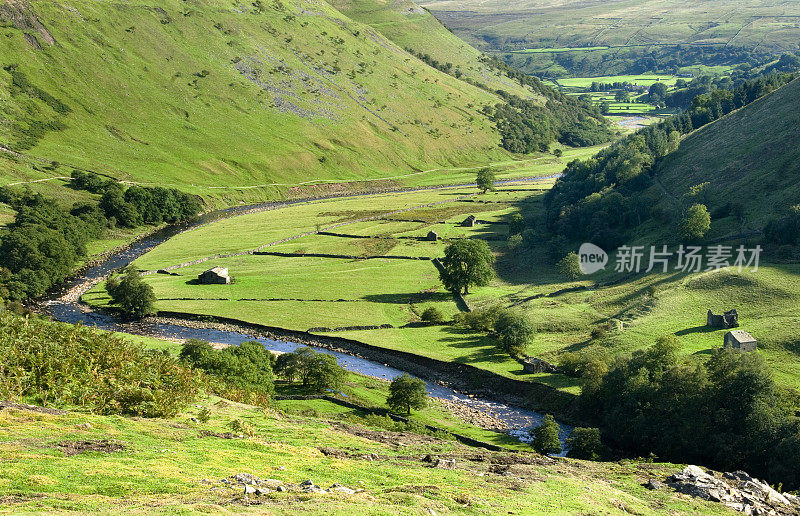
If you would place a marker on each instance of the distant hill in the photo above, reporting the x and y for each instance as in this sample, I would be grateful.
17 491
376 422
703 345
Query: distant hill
750 158
209 95
617 37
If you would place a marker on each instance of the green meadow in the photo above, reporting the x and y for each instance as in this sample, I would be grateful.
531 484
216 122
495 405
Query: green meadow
302 292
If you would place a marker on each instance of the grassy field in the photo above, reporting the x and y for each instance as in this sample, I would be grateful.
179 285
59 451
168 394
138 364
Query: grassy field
303 292
568 38
640 80
175 466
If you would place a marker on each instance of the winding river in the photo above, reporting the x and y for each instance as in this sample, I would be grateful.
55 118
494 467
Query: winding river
65 306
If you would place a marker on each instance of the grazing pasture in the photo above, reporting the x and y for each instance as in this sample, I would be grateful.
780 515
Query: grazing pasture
359 285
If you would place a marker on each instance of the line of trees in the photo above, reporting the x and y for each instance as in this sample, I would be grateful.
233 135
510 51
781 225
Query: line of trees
45 241
727 413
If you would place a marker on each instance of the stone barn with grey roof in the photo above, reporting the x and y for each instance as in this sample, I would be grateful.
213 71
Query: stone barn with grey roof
741 340
215 276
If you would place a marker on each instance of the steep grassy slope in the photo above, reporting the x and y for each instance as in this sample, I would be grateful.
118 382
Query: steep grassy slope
749 157
414 28
205 94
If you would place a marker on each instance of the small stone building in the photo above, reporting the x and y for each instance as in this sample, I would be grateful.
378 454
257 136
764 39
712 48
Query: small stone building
215 276
432 236
741 340
469 221
729 319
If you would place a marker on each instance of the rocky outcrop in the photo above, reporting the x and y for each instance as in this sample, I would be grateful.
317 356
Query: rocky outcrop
737 490
533 365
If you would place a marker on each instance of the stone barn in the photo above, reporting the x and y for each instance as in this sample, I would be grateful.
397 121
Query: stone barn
432 236
469 221
741 340
729 319
215 276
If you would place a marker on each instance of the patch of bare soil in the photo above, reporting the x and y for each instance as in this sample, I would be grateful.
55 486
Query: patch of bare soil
387 437
71 448
31 408
221 435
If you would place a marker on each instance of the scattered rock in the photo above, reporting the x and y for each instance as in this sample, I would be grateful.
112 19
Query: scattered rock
248 489
446 463
280 489
342 489
653 484
84 426
306 483
246 478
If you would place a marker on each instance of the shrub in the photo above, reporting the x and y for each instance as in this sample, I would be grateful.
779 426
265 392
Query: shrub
60 364
247 367
432 315
134 297
481 319
570 266
516 224
514 332
585 443
545 436
696 223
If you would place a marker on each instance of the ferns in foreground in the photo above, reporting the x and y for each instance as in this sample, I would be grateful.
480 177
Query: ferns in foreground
63 365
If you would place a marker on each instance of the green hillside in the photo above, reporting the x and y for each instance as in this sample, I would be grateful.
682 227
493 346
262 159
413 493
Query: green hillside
414 28
208 96
749 157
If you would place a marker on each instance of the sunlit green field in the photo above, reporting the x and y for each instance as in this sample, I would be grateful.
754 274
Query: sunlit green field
642 80
304 292
169 466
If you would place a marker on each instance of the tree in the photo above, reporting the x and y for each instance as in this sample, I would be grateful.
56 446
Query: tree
585 443
317 371
134 297
486 179
657 92
696 223
514 332
406 393
570 266
545 436
622 96
466 262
